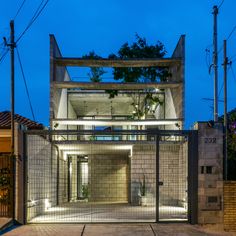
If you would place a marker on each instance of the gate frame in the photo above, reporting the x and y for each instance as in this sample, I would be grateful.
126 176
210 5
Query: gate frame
192 167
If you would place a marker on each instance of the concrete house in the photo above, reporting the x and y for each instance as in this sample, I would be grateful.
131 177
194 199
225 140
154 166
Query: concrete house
100 162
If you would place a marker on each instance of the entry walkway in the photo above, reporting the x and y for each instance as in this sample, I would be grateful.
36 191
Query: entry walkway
117 230
117 212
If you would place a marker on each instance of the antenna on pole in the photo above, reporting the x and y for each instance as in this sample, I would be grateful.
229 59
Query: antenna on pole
215 63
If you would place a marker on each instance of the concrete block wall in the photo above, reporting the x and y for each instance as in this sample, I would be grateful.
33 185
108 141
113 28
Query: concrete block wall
74 179
230 205
210 173
172 173
63 180
41 176
108 178
143 162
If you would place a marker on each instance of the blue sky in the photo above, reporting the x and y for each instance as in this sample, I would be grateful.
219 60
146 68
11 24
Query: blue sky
103 26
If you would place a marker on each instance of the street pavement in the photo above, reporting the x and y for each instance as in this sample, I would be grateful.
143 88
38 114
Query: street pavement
168 229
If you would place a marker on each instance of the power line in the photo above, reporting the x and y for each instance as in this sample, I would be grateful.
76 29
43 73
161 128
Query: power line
221 4
34 18
230 34
232 72
26 87
18 11
4 55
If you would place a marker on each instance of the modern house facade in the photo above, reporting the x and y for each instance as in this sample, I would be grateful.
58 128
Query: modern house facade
104 162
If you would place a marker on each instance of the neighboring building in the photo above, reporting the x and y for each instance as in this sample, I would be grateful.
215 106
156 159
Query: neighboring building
21 122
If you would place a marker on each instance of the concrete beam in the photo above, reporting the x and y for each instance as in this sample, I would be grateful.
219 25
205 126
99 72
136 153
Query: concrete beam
101 122
147 62
116 86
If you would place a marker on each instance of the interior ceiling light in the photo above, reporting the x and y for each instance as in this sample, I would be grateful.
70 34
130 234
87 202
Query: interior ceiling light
116 122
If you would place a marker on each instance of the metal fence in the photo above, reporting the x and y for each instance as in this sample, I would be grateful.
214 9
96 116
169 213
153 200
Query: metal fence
6 185
141 177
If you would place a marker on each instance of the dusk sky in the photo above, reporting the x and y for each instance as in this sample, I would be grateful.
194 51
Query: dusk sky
103 26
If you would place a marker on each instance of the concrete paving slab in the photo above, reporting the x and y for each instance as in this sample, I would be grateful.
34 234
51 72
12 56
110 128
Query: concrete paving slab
47 229
118 230
167 229
180 229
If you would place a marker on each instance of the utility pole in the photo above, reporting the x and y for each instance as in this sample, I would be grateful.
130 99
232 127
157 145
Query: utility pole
225 64
12 46
215 63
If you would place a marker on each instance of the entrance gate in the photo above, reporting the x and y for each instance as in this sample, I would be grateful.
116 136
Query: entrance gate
6 185
110 176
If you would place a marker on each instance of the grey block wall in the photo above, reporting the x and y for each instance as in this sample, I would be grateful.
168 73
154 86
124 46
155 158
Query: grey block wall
172 173
108 178
63 181
41 175
210 173
143 162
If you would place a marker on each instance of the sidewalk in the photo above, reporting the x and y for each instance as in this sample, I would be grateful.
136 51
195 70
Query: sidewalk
116 229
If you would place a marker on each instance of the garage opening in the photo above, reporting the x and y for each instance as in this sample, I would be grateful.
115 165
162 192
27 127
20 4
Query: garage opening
139 178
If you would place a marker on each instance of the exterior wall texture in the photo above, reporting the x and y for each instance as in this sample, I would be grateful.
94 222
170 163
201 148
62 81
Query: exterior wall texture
210 173
108 178
230 205
172 173
41 176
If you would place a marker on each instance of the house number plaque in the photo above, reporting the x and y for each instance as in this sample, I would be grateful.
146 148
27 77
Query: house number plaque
210 140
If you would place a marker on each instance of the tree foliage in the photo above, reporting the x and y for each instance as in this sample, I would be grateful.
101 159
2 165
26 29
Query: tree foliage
95 72
231 145
140 50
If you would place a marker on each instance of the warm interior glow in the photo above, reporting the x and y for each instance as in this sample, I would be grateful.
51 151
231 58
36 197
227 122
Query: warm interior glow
115 122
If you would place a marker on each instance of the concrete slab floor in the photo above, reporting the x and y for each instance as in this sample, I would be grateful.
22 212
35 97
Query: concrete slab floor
107 212
117 230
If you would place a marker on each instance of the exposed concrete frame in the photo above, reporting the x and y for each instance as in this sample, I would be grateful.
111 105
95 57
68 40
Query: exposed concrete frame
60 80
118 86
105 62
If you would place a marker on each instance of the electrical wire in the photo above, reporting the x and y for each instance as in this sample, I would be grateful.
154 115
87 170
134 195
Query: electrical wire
34 18
26 87
230 34
232 72
4 55
221 4
19 9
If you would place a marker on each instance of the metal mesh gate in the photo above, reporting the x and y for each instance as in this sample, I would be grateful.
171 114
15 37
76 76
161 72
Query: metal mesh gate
106 177
173 178
6 185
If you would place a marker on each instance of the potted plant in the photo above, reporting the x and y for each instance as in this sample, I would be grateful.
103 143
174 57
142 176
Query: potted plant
85 191
143 196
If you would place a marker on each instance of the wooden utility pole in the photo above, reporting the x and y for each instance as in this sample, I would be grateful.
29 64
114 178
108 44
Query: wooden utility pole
225 112
215 63
12 47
